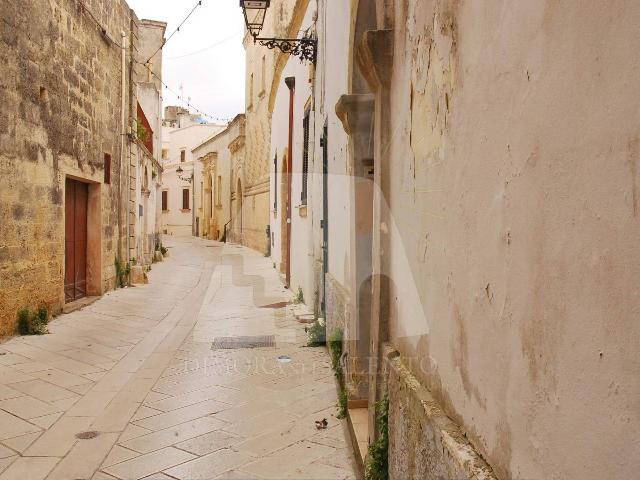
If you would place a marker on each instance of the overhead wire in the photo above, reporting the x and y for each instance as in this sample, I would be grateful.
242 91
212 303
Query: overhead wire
105 34
164 42
206 48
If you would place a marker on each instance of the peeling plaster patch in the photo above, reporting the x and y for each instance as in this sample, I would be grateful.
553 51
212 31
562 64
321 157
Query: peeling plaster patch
461 359
489 293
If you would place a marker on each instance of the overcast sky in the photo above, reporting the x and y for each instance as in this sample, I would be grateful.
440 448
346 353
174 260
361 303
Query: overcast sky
212 62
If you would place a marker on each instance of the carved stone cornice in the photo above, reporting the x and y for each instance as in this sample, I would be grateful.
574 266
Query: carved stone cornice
355 112
375 58
236 144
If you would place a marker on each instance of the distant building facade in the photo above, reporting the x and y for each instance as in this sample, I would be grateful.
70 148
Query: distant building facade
182 173
214 199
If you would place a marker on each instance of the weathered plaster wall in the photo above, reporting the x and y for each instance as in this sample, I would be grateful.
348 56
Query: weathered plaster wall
61 92
333 80
514 216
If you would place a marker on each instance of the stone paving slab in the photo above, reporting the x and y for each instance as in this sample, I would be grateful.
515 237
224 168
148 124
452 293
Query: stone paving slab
138 368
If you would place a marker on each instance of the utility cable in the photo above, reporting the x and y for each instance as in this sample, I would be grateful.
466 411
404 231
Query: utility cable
175 31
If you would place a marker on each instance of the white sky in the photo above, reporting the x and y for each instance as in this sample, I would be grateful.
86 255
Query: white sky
214 78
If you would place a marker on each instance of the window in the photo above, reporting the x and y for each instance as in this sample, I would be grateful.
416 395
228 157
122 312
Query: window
219 190
305 157
107 168
185 199
165 200
165 153
183 155
201 194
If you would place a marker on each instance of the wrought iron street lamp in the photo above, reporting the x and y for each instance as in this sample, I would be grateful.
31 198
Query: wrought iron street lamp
180 171
254 15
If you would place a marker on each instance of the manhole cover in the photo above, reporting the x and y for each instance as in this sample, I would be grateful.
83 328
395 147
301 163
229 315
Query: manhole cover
86 435
230 343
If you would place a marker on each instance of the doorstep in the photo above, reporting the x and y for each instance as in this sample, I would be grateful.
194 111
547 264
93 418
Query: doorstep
358 419
78 304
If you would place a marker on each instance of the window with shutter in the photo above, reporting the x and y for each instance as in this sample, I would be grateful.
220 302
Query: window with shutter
185 199
107 168
183 155
165 201
305 157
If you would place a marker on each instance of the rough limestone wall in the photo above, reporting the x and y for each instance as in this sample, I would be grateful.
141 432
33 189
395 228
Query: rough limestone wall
60 92
514 213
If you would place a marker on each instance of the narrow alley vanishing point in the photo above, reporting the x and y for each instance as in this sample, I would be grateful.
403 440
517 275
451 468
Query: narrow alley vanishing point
133 385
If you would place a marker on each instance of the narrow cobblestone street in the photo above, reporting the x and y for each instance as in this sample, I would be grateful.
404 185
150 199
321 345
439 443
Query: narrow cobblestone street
138 374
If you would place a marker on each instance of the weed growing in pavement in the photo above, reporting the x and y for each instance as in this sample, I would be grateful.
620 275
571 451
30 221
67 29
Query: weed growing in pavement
335 349
316 334
343 404
33 323
122 273
299 296
377 467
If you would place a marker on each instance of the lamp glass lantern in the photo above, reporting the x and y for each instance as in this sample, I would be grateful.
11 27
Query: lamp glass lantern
179 170
254 14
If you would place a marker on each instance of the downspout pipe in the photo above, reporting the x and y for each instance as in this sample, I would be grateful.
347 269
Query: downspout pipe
123 136
291 84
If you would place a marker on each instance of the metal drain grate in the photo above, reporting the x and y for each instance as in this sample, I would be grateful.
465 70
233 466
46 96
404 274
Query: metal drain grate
230 343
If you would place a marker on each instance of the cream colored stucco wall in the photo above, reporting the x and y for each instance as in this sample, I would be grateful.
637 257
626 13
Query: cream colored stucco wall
301 215
332 81
513 210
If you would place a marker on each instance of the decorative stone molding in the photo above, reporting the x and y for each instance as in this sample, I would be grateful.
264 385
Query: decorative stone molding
375 58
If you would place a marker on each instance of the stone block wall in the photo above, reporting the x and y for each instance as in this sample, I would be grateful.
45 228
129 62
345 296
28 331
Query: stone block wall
423 442
60 92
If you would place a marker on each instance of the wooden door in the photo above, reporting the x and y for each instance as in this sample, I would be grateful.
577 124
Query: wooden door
75 264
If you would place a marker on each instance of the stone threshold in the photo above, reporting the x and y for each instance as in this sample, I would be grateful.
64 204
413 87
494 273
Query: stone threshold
78 304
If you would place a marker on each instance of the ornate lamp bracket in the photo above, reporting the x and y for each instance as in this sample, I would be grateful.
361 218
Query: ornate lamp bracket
306 47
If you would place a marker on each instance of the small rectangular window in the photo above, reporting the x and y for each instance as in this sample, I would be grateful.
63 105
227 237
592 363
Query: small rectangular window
107 168
183 155
165 153
305 158
165 200
219 191
185 199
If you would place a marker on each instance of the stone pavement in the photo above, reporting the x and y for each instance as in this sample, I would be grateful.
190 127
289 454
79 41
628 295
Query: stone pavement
137 373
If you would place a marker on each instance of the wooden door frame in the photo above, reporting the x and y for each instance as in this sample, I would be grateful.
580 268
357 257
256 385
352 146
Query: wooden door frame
94 236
